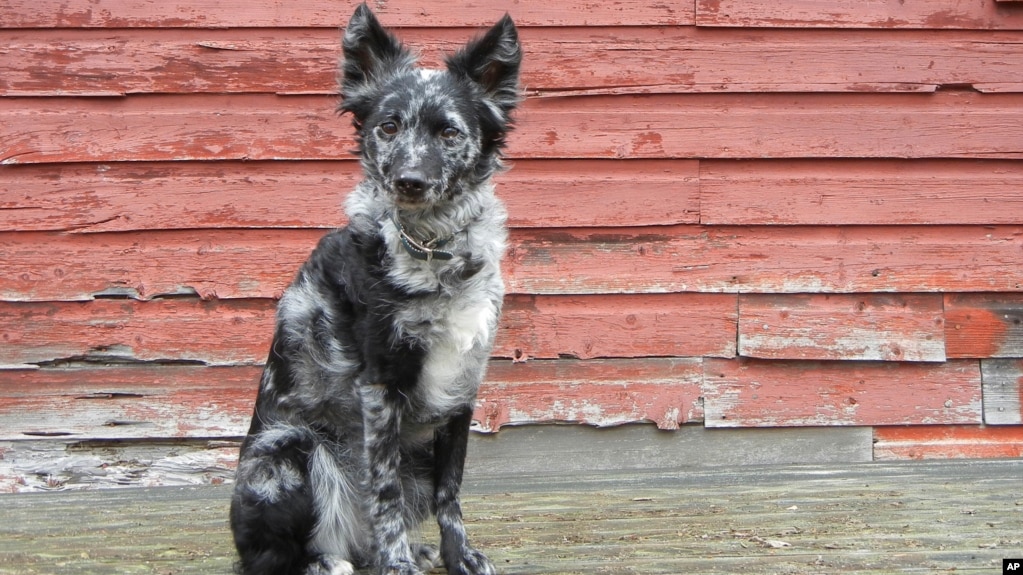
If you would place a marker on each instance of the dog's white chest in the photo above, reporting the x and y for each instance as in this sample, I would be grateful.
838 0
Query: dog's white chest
469 326
456 352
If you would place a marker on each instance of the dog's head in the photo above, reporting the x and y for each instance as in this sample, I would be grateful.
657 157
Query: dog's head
427 135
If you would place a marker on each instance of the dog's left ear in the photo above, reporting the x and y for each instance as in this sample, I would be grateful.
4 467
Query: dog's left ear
493 62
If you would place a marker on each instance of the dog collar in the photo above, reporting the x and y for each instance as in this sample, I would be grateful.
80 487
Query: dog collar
423 251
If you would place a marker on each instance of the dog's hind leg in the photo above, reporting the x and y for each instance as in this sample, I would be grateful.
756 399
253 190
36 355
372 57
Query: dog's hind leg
272 514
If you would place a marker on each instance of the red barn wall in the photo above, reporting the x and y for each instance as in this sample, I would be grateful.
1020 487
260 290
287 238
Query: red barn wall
725 213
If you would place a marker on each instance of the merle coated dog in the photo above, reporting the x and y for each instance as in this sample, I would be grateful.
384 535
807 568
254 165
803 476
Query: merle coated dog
365 403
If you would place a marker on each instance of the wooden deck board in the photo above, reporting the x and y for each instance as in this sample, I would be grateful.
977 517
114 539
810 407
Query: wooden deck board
921 517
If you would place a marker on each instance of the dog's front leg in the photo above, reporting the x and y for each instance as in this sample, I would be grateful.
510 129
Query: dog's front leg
381 415
449 452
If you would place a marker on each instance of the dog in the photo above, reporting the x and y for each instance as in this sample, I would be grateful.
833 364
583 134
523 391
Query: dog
363 412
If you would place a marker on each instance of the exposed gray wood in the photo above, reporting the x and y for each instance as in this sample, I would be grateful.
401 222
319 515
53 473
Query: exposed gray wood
537 449
1001 380
59 464
867 519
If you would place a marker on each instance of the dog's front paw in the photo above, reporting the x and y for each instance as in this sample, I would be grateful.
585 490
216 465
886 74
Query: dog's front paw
428 557
401 568
472 562
330 565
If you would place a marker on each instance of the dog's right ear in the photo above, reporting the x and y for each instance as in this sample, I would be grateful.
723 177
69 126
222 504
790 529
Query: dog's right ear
370 54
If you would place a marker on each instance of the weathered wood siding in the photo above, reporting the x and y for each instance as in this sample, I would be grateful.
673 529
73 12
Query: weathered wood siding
728 213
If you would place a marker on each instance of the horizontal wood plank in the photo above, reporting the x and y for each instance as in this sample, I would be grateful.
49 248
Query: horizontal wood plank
238 332
854 192
932 14
1003 391
196 195
128 402
227 264
775 126
947 442
903 327
70 464
50 463
984 325
758 393
584 327
331 13
596 392
766 259
261 127
529 449
179 401
213 332
568 60
539 193
213 264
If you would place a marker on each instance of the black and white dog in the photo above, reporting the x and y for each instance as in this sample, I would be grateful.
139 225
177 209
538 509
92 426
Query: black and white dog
363 413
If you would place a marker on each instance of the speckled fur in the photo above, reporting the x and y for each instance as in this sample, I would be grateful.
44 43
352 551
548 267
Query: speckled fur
360 425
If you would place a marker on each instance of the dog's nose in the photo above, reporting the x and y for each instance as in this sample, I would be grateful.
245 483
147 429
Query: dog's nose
411 184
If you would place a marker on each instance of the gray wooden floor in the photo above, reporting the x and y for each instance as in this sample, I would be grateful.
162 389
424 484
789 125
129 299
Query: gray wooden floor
924 517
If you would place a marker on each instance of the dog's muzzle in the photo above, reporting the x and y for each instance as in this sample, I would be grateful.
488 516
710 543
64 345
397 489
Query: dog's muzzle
412 185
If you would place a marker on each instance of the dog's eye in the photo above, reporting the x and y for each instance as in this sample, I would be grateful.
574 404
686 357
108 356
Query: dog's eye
389 128
449 133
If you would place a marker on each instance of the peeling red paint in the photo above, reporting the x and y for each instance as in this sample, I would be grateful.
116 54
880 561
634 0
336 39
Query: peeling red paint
842 327
217 127
618 325
759 393
933 14
316 14
947 442
238 331
661 170
860 192
563 261
597 392
984 325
